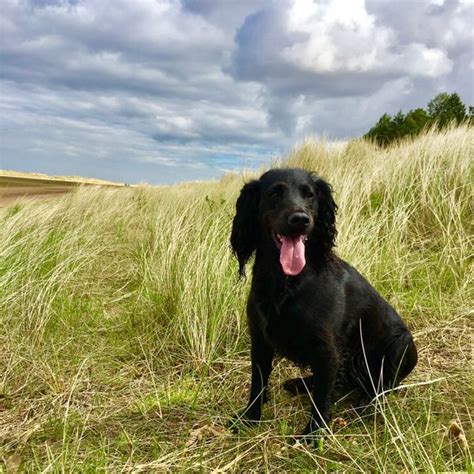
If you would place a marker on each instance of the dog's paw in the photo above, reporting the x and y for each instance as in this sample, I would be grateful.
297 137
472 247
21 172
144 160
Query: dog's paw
246 419
311 435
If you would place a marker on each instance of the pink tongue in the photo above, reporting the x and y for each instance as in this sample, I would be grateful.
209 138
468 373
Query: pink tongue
292 257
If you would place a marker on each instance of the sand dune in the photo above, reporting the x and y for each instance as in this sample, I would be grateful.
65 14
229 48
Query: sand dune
15 185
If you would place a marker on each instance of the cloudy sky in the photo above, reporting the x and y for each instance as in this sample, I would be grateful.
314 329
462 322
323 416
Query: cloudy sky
168 90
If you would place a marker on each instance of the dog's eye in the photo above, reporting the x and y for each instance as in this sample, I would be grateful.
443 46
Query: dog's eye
277 191
306 191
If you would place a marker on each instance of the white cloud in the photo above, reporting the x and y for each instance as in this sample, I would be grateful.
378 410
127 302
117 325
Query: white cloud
148 84
343 37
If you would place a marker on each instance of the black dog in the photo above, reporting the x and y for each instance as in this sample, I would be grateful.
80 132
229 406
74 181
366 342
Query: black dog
308 305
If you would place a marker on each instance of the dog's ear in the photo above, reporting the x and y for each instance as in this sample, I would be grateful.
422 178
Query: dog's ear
245 225
325 226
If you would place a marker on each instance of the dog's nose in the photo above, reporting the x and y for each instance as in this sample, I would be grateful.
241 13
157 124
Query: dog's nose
298 219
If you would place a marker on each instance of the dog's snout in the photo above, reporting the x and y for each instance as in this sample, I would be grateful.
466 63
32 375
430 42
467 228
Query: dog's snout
299 219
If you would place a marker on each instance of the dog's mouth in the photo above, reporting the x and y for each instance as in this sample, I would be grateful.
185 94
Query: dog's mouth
292 252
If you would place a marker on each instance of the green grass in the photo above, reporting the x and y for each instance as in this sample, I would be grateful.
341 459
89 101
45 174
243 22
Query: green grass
123 336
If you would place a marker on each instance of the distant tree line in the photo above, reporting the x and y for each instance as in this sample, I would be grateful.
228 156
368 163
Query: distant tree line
442 110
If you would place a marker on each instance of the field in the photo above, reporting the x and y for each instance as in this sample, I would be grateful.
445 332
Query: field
15 186
123 335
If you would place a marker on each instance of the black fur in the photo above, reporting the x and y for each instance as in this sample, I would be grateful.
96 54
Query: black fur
328 317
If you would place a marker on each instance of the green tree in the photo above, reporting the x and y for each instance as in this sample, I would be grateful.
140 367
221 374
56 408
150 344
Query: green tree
415 121
397 123
445 108
398 118
382 132
438 104
456 108
409 127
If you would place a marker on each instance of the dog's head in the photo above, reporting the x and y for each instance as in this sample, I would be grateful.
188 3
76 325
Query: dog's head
289 211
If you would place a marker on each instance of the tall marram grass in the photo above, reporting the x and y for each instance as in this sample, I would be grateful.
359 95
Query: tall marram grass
123 336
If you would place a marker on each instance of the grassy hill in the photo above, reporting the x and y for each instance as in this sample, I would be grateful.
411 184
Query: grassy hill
123 336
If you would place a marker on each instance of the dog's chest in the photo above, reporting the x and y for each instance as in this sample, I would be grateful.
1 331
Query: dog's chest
287 328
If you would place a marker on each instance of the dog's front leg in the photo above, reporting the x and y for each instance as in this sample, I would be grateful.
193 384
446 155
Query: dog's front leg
324 365
262 357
